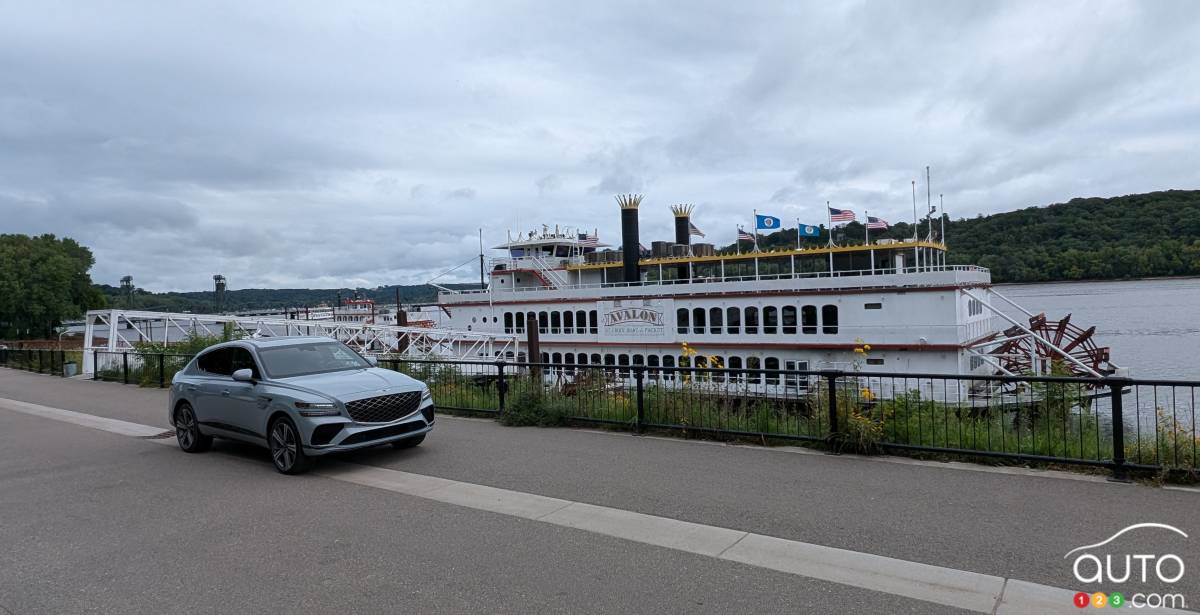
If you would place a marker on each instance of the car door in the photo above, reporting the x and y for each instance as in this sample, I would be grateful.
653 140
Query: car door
245 406
207 391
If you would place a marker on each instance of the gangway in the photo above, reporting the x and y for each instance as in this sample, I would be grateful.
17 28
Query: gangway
124 330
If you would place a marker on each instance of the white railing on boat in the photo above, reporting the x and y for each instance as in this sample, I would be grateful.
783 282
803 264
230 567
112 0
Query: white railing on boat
752 278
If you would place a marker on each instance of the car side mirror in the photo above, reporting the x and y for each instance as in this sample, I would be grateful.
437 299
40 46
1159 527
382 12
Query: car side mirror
373 361
244 375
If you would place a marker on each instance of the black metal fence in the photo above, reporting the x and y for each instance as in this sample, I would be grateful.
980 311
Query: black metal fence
1117 423
42 361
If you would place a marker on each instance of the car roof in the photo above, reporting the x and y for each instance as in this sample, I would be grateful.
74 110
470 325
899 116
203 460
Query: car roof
275 342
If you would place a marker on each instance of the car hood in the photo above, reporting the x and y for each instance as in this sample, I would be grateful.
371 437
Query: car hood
353 383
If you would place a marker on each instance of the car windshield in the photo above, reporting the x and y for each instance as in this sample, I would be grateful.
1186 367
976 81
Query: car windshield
302 359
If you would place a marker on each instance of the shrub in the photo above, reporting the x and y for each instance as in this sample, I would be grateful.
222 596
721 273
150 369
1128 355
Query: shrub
531 407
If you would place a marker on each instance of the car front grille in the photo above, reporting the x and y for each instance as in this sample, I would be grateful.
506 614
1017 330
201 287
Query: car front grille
384 408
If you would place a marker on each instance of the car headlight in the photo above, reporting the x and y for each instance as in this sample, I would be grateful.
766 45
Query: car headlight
426 397
316 409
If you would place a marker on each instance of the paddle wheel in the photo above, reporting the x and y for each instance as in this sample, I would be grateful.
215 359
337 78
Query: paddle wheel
1041 347
1020 352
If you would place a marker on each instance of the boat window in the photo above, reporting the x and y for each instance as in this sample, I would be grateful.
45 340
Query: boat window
543 322
753 365
733 320
770 320
751 321
580 322
808 319
714 320
639 360
772 363
698 321
517 252
562 251
829 320
568 321
555 322
556 358
874 361
520 322
681 320
508 322
545 357
652 363
668 361
873 306
594 322
789 319
623 362
734 363
790 379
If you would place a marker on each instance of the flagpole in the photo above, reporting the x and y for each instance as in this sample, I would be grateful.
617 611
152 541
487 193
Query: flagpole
797 233
755 230
916 251
829 219
942 208
867 228
928 205
738 240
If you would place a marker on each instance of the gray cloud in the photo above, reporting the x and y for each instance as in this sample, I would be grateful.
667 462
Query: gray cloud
286 145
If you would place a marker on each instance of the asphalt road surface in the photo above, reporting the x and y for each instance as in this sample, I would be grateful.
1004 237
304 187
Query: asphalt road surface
96 517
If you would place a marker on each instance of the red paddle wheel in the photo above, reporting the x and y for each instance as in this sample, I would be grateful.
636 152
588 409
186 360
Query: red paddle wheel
1018 352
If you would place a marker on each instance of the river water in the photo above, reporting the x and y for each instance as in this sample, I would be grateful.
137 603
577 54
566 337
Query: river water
1152 326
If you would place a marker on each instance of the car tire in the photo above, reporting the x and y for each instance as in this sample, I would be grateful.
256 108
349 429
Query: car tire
287 449
409 442
187 430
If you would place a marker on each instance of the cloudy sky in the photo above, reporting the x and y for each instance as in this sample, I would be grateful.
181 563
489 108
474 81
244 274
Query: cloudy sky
323 144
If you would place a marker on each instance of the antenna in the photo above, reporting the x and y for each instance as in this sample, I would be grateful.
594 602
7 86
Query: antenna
482 285
928 205
915 224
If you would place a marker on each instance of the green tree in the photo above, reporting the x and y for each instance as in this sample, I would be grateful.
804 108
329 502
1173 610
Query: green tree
43 280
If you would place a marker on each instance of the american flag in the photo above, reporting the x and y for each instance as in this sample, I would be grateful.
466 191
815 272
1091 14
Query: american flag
692 230
588 241
840 215
744 236
875 223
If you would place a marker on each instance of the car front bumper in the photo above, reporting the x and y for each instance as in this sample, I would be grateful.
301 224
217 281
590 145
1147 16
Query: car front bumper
353 436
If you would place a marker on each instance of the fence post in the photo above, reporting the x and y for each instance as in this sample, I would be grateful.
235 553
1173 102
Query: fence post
501 384
161 376
831 379
1116 389
95 364
124 368
639 375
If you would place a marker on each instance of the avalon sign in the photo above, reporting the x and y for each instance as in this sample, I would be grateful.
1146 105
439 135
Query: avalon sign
636 318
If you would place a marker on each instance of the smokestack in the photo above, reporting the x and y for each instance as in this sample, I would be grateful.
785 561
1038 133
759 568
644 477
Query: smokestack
683 233
630 247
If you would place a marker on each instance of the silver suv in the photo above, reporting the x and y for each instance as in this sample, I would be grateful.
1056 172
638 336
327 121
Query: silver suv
297 396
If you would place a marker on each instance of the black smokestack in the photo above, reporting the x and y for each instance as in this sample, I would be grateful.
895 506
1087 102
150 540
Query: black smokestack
630 247
683 233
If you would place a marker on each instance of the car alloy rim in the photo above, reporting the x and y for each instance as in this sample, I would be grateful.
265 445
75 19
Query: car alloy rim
185 429
283 445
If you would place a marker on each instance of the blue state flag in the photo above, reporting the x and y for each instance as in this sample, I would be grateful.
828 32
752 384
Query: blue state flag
808 230
770 223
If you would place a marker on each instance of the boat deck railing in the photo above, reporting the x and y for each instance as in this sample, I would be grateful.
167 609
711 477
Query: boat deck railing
887 277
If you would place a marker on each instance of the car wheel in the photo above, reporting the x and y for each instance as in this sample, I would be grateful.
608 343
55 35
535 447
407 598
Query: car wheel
287 451
187 431
409 442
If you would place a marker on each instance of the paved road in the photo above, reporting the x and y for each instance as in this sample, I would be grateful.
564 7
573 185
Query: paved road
94 521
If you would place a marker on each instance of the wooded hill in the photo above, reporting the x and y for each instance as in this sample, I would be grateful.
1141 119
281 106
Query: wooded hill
1139 235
